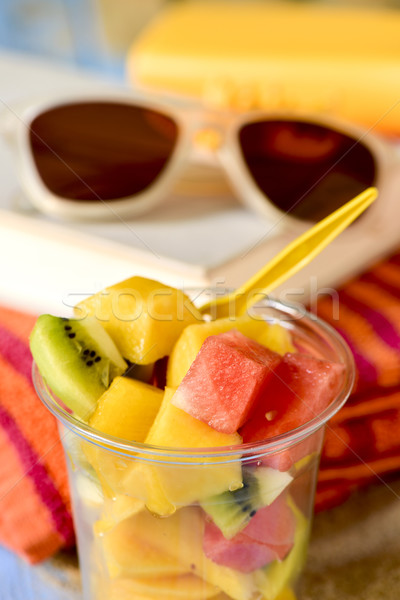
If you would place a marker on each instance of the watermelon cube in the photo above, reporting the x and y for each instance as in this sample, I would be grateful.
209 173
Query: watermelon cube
269 536
271 335
225 379
302 387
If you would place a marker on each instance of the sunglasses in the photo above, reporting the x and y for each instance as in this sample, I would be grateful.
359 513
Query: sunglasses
90 158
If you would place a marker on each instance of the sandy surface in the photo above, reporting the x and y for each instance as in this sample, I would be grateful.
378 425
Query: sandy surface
355 549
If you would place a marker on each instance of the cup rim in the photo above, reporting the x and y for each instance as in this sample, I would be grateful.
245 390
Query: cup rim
223 453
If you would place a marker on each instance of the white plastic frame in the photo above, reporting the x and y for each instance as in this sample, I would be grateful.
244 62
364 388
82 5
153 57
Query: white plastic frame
190 120
230 156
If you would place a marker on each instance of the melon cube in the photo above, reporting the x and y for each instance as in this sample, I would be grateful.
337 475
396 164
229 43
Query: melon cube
143 317
301 389
231 511
268 536
224 381
274 580
273 336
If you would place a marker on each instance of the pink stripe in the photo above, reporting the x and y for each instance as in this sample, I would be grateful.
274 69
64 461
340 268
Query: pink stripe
367 371
16 353
395 259
374 279
44 485
383 328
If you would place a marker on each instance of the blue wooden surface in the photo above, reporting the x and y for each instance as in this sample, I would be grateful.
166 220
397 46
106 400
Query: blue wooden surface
52 580
67 30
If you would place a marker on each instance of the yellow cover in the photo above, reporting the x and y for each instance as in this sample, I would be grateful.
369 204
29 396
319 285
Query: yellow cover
266 55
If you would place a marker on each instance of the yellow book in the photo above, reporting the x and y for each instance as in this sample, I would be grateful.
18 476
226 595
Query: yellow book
343 60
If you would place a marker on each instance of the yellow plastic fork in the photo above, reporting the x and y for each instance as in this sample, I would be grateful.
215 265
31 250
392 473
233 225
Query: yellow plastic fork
290 260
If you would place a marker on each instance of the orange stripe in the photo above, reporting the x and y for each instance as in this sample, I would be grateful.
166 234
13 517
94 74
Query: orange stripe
388 273
337 443
385 429
330 497
20 324
26 525
378 299
368 469
36 424
368 407
364 339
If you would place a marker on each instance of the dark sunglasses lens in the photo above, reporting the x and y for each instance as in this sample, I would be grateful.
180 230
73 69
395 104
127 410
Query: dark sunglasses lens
101 150
305 169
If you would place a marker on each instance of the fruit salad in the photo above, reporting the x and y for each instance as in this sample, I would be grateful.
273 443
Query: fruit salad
191 459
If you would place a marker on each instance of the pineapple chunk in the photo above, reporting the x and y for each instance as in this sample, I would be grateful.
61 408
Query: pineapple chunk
143 317
169 484
273 336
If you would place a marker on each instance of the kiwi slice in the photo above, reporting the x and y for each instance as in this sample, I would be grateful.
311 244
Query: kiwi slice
231 511
77 359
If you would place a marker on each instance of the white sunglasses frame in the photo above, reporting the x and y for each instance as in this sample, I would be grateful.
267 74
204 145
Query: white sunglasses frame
190 120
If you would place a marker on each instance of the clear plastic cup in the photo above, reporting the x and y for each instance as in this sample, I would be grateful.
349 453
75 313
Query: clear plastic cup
156 523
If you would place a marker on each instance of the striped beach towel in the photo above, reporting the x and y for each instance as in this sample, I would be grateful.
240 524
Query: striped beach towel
362 443
35 510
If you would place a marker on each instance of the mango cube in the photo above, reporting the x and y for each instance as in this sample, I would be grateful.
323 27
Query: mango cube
128 554
172 587
143 317
167 538
126 410
179 485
